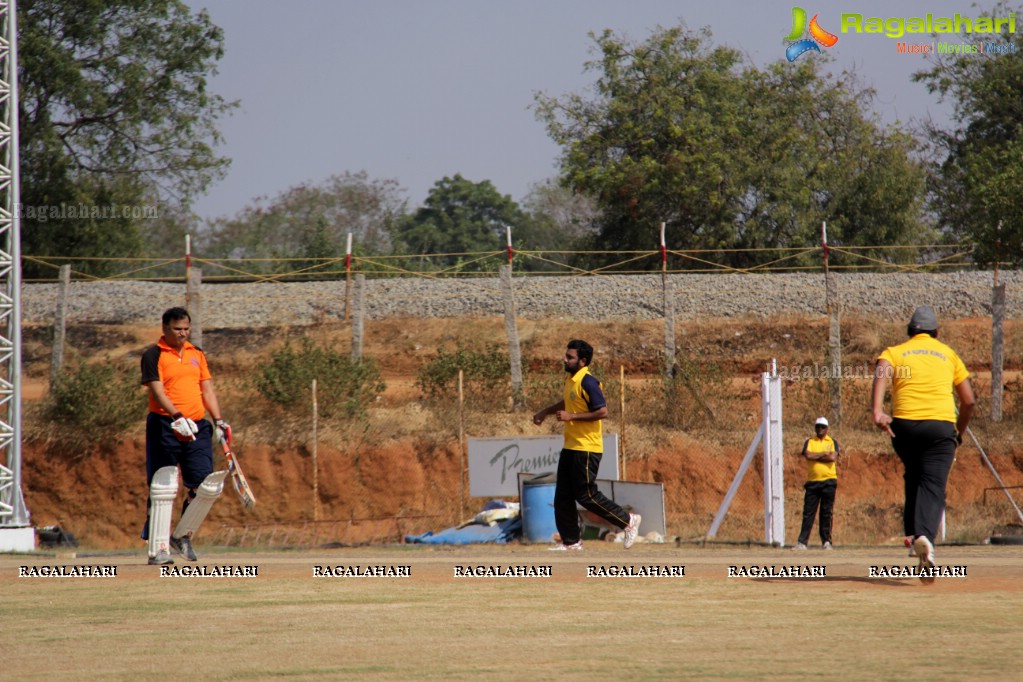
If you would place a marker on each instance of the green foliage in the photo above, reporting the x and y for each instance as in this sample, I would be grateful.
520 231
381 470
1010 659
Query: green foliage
979 180
344 388
697 396
93 403
559 221
114 110
543 388
460 217
730 156
163 241
90 218
310 221
484 371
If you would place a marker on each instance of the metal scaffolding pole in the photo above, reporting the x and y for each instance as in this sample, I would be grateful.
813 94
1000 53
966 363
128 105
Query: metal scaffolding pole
16 532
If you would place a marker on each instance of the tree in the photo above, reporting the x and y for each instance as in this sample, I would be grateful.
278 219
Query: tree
163 239
979 179
558 219
816 154
460 217
727 155
114 115
310 221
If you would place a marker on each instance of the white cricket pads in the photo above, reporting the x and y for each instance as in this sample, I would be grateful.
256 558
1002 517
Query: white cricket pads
208 491
162 491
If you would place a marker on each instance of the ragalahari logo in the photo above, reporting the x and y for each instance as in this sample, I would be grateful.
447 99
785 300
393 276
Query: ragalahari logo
818 36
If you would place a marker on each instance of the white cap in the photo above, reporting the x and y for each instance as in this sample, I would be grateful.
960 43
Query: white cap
821 421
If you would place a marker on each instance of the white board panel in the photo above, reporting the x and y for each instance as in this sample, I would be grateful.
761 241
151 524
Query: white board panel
494 463
646 499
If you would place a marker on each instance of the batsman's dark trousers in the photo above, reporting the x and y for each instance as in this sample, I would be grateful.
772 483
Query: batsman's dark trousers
927 449
577 482
163 449
818 494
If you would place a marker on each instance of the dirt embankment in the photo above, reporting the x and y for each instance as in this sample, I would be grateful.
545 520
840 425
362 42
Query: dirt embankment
404 461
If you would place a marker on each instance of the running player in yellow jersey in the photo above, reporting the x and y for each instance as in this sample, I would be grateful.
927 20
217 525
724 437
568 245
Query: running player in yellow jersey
925 429
582 410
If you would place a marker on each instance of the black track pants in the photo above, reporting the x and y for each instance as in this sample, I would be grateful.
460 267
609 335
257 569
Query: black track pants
927 449
577 482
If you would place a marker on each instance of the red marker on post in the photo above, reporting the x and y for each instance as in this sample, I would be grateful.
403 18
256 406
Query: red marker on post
664 252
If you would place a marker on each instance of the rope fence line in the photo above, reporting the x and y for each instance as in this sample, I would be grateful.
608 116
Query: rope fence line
262 303
929 257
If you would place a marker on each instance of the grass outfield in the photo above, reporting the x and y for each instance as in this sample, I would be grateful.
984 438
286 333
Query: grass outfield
287 624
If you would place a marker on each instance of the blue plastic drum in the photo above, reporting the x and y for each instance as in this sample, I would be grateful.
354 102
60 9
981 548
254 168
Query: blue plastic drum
538 512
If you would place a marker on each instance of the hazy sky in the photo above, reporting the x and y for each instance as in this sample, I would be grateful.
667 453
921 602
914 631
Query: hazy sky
416 90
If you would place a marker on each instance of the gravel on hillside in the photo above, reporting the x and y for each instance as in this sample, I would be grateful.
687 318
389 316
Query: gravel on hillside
605 297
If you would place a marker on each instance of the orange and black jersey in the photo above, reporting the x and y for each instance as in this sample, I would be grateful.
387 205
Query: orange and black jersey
180 374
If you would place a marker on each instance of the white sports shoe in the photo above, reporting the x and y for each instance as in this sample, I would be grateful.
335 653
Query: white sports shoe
799 546
162 558
574 547
924 550
826 546
632 530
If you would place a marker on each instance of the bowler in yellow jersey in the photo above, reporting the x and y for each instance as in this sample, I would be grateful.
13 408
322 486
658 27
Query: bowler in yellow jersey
925 377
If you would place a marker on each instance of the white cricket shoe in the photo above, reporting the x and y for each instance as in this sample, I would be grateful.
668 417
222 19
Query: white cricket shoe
826 546
632 530
799 546
162 558
925 551
574 547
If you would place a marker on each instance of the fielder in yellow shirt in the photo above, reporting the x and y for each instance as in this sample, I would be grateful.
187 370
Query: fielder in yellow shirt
821 452
925 377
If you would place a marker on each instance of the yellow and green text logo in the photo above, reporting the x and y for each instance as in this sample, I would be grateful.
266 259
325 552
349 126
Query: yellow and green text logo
810 36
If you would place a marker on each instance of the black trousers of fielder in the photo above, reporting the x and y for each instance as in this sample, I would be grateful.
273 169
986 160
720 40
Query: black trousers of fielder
822 494
927 449
577 476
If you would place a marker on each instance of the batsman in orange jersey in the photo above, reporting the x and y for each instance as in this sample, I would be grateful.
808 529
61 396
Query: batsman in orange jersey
181 393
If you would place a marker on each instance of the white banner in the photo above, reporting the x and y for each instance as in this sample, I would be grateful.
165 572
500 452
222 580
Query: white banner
494 463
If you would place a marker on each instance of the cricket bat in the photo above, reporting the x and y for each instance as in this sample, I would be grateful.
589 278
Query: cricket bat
241 485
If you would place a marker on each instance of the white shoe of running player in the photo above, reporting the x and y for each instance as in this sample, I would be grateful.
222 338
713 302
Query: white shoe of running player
574 547
925 551
632 530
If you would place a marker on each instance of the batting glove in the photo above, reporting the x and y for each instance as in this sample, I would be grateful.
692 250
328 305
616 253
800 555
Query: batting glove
184 428
223 431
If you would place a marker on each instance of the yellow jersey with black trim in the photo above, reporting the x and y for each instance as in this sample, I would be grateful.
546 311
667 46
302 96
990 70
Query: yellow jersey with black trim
583 393
817 470
924 372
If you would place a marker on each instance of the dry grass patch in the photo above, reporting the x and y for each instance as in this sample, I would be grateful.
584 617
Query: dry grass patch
286 624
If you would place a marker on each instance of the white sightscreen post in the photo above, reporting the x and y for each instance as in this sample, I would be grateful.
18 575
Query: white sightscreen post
734 488
774 455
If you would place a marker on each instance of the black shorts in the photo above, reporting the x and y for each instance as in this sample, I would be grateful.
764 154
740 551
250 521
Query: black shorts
163 449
